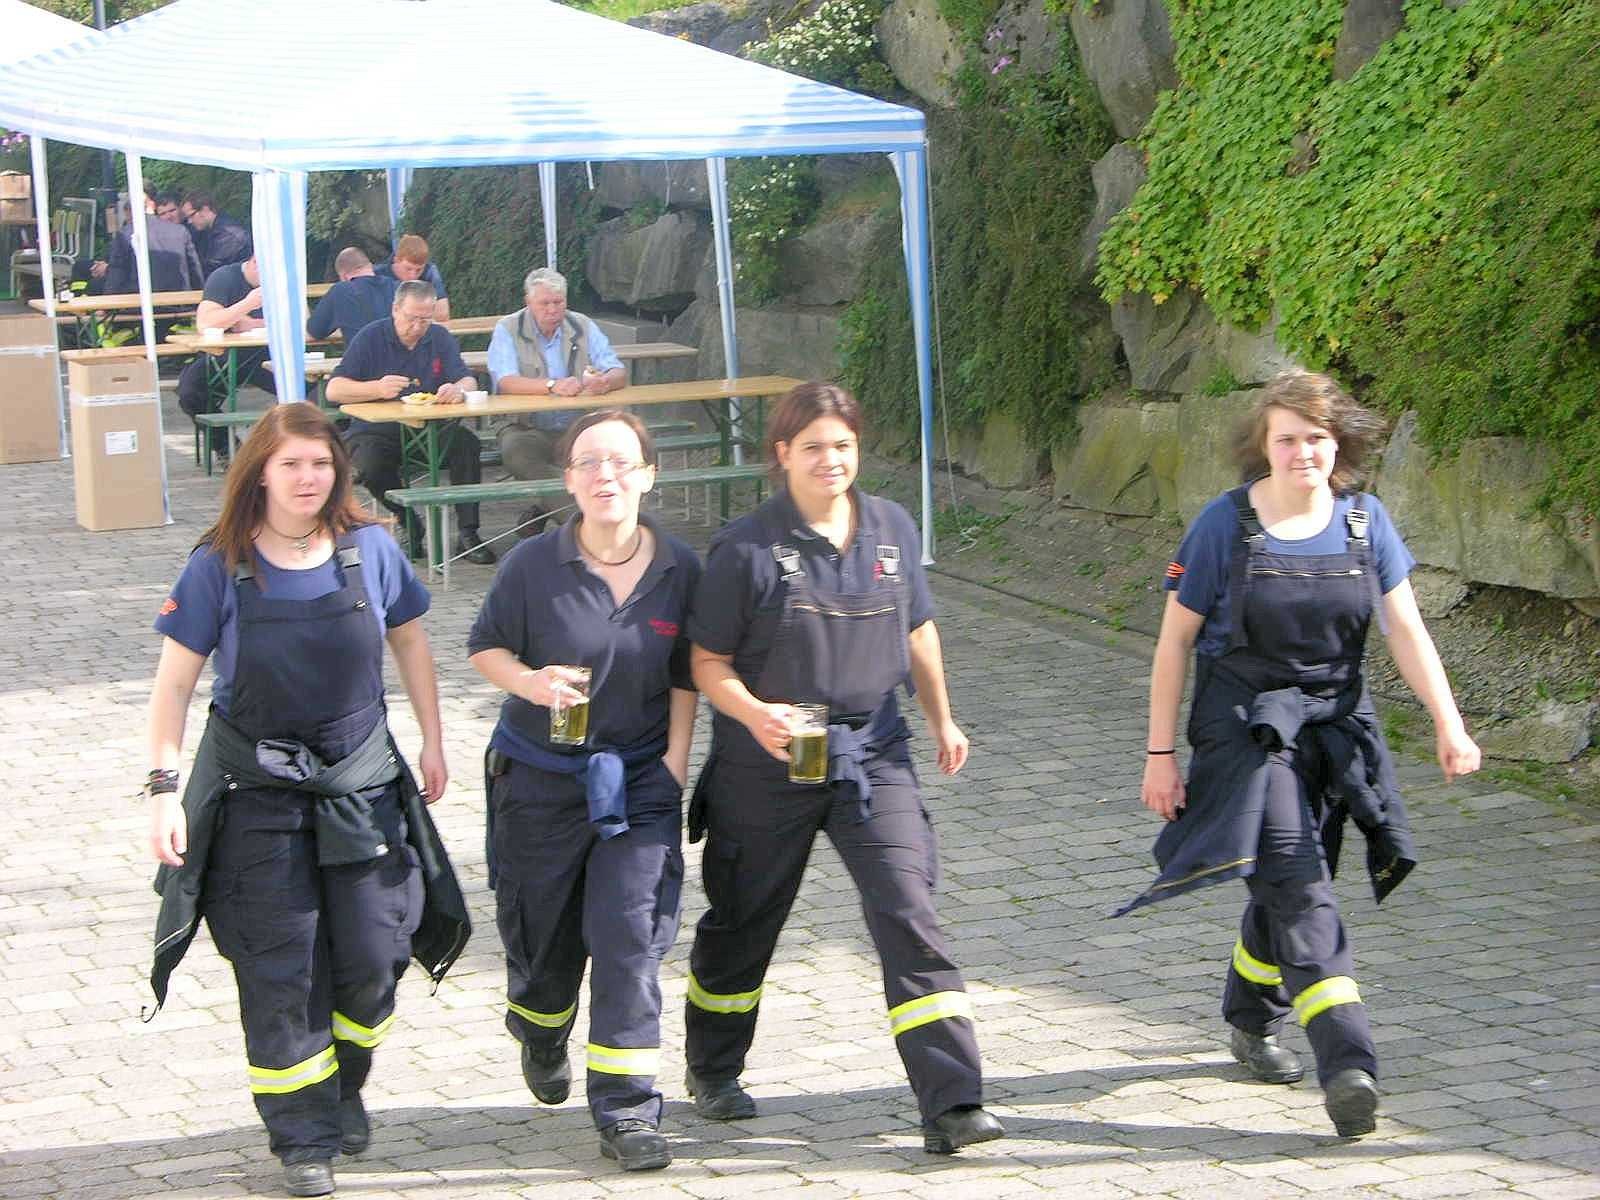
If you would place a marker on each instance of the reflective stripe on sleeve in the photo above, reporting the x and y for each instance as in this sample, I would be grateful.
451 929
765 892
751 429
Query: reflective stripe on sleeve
1248 966
347 1030
936 1006
616 1060
544 1020
278 1081
728 1002
1323 995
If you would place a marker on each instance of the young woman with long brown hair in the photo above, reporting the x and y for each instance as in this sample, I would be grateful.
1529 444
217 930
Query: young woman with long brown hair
1272 591
302 838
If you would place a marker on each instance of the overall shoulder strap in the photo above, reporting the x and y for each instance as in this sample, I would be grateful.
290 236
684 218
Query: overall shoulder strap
1359 542
1251 540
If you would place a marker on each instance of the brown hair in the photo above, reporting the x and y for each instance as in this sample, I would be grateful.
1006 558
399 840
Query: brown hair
647 444
1320 400
244 500
803 404
413 249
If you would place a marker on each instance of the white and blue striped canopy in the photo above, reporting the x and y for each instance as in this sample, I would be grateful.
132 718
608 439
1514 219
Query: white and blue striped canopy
310 85
28 30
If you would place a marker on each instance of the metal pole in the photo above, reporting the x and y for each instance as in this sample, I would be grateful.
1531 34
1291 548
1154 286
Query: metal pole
108 171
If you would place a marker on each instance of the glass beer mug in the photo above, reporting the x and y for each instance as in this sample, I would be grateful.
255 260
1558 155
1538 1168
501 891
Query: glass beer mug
808 744
569 717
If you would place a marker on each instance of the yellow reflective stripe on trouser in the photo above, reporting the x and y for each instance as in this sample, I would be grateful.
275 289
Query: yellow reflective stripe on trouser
937 1006
277 1081
1323 995
727 1002
1252 968
365 1036
546 1020
616 1060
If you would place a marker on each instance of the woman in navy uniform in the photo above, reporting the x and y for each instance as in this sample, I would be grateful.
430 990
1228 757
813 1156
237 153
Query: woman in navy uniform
1273 589
819 597
302 838
584 842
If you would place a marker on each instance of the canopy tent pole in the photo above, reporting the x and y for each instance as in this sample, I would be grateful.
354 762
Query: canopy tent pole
41 216
398 180
278 204
547 207
147 314
911 168
717 186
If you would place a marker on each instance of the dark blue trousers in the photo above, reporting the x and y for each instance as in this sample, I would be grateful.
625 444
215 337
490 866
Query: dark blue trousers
564 898
1293 957
316 952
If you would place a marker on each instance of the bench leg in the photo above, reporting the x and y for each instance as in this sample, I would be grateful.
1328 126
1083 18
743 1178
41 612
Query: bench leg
445 551
428 547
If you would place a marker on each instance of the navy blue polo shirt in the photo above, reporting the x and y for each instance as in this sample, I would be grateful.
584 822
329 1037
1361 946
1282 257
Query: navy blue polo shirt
547 607
378 351
740 597
351 305
430 274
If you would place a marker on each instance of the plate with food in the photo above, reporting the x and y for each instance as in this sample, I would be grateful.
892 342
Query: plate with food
418 398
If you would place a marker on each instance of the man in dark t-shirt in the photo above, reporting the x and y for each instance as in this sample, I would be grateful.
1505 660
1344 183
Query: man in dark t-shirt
359 298
387 360
230 302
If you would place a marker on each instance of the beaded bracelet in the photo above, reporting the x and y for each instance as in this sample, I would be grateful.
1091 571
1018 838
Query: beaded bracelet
161 782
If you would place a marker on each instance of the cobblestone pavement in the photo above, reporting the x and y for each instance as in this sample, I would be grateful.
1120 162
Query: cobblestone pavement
1101 1037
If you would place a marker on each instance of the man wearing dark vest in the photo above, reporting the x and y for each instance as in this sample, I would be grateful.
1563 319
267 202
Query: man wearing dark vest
544 349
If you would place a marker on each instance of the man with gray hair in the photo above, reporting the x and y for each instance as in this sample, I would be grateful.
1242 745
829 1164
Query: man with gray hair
544 349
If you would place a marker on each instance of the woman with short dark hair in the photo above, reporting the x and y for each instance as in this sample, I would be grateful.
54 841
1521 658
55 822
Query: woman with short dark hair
1273 589
583 626
818 598
302 838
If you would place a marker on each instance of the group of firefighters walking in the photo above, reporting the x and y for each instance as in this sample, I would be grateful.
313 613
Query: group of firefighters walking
305 843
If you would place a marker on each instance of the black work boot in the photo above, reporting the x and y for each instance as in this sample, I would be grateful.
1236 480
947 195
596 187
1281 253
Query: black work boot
1266 1061
636 1145
964 1125
547 1073
719 1099
1351 1099
311 1177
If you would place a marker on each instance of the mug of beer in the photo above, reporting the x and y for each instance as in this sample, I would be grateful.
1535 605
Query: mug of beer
808 744
569 715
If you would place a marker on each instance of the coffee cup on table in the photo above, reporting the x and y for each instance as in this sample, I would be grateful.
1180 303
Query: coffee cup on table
212 334
477 399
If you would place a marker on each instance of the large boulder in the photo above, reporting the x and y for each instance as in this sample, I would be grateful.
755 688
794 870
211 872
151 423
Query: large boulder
1206 428
1029 33
1472 514
1118 174
1124 460
921 49
677 184
1007 457
823 265
653 267
698 23
1367 25
1127 51
1553 733
1179 346
778 340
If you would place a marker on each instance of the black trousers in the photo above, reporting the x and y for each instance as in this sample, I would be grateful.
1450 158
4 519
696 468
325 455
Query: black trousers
1293 957
375 451
760 830
564 897
196 395
316 952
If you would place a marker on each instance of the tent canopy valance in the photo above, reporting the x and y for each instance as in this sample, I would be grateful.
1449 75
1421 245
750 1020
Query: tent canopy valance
291 86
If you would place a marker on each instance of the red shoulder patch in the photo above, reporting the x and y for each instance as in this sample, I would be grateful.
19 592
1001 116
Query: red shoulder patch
1174 570
168 606
664 628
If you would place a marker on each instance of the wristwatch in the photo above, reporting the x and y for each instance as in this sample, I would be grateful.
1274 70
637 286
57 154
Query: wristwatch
549 386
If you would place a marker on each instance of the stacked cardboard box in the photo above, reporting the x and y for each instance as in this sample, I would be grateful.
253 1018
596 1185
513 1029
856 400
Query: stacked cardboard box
117 465
30 390
16 196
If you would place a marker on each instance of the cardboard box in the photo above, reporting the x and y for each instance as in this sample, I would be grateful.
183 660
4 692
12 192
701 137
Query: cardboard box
30 390
16 211
117 465
14 185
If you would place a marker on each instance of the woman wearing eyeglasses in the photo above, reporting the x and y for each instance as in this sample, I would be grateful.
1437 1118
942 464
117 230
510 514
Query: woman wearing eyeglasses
584 839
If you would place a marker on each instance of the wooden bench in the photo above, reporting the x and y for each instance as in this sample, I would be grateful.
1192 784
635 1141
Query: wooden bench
121 353
444 496
231 421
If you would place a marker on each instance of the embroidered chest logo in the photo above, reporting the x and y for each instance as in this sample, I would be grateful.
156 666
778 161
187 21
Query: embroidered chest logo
664 628
438 367
887 565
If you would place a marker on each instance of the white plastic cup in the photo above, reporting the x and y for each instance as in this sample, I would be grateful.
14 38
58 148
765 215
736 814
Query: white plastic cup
212 334
477 399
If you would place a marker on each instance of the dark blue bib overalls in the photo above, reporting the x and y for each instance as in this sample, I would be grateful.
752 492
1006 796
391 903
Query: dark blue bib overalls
848 652
317 945
1297 621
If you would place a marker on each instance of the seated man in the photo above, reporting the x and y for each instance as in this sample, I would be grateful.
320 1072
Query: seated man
543 349
389 359
359 298
231 302
410 261
219 238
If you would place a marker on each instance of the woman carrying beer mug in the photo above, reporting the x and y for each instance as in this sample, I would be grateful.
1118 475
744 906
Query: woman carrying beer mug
583 628
818 598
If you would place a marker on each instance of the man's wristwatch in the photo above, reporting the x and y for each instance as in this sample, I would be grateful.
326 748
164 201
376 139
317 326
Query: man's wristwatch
549 386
